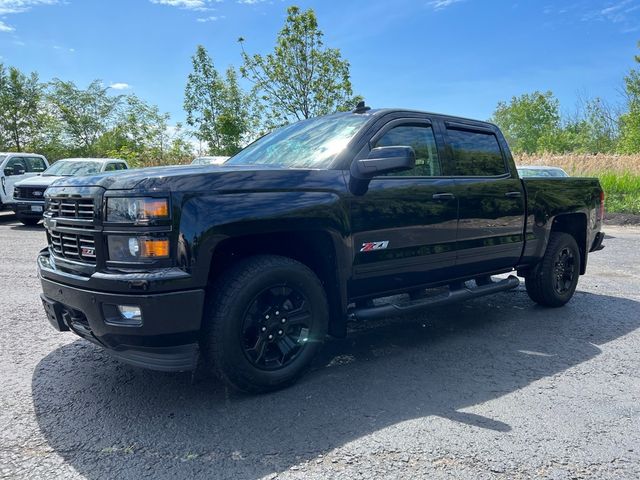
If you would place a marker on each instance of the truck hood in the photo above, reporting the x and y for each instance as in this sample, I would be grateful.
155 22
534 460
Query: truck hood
38 181
199 178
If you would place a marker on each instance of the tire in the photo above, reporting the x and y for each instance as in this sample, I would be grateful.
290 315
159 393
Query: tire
30 222
553 281
249 303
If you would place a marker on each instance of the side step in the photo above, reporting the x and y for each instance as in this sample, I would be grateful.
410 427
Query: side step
457 295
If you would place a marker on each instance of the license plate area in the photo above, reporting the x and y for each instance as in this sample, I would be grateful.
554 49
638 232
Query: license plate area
36 208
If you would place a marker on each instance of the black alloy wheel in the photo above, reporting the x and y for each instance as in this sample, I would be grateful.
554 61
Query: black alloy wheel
276 327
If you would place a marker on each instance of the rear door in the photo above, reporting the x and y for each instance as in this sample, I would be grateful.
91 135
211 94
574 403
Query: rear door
404 226
491 199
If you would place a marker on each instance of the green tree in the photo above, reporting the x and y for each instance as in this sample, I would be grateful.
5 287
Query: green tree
20 105
301 78
217 108
630 121
237 118
203 99
85 115
531 122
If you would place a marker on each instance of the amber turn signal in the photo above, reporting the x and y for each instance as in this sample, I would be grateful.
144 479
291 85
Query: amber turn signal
154 248
153 208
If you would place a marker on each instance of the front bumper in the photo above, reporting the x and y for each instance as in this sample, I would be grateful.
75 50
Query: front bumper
31 209
166 339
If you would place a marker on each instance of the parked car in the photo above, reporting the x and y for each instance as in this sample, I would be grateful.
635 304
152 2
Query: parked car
541 171
28 194
15 167
215 160
250 265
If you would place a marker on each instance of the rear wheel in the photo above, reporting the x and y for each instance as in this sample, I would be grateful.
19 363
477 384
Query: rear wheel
266 319
553 281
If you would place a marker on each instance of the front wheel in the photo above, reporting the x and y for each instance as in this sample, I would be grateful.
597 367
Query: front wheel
553 281
266 318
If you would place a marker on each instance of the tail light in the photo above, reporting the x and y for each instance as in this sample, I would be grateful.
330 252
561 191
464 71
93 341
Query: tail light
601 213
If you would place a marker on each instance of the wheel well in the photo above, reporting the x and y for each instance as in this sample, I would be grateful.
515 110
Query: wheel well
575 224
315 249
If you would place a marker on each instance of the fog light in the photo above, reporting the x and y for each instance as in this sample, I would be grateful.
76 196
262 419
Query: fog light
130 313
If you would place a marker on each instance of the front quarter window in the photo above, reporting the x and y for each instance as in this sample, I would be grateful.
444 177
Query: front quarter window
312 143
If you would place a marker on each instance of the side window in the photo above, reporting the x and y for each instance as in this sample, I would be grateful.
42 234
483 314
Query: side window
16 166
111 167
35 164
121 166
475 154
421 138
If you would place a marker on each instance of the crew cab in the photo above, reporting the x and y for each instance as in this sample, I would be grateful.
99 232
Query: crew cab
15 167
249 265
28 194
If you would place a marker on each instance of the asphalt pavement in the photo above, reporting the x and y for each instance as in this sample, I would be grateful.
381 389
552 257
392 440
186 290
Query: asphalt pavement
492 388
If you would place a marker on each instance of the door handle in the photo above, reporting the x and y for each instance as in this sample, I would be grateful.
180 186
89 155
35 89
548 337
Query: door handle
513 194
443 196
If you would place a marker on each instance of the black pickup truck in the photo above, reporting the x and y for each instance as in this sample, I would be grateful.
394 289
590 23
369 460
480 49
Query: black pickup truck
245 268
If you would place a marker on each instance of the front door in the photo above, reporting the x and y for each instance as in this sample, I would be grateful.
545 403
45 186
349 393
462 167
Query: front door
404 226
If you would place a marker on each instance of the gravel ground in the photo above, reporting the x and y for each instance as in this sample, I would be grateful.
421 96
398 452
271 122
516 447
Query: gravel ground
492 388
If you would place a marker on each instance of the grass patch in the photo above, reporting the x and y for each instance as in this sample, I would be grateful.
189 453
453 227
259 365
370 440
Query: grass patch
622 191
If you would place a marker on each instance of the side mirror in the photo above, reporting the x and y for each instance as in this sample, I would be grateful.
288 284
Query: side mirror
383 160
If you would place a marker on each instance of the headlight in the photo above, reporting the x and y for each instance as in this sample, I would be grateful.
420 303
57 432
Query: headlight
136 248
137 209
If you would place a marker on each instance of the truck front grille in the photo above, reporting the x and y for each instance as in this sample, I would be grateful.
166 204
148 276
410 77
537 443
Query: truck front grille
70 220
69 207
72 246
29 193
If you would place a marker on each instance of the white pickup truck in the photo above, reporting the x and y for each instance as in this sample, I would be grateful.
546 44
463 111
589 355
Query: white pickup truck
28 194
15 167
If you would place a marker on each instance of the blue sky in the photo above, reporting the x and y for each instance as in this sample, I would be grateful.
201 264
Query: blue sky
453 56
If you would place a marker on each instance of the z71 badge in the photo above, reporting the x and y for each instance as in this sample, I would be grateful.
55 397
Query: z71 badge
371 246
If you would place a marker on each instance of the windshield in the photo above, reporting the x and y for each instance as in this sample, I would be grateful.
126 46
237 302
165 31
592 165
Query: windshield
310 143
69 168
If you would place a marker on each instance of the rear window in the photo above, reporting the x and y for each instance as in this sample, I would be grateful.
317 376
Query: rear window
475 154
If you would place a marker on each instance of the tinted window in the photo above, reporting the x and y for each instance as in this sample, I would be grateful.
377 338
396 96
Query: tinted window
121 166
421 138
475 154
16 166
35 164
110 167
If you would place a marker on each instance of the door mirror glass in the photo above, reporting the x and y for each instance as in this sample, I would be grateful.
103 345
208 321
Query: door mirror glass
383 160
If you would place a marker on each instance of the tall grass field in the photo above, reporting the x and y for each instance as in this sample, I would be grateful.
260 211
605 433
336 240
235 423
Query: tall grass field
619 175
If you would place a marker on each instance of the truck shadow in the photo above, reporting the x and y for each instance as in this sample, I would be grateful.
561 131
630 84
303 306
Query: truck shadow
103 417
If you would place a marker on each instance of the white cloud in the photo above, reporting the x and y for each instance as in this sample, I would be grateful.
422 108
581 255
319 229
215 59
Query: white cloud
442 4
120 86
186 4
211 18
619 12
19 6
5 28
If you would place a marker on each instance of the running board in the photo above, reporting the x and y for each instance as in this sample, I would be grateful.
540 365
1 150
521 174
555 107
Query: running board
453 296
